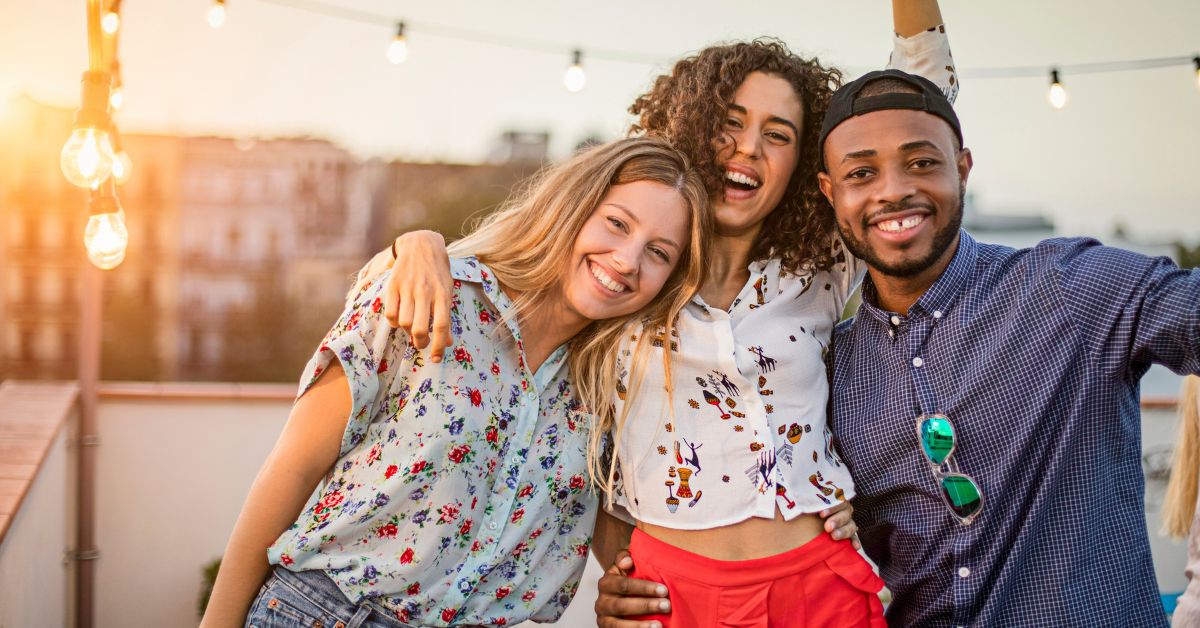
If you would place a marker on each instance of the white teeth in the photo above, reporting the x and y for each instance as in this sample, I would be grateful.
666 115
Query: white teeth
738 177
902 224
605 281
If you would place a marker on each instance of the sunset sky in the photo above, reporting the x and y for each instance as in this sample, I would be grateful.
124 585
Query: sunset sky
1125 148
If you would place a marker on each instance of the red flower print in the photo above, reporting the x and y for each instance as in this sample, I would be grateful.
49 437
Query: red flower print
459 453
495 368
383 366
499 621
525 491
576 482
528 597
520 549
388 531
407 556
503 592
377 305
581 549
518 515
376 451
352 322
286 560
461 355
448 614
476 397
493 434
418 467
331 500
536 534
391 470
448 513
475 547
485 317
457 283
465 528
414 588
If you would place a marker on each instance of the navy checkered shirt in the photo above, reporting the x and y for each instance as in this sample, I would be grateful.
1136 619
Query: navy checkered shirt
1035 355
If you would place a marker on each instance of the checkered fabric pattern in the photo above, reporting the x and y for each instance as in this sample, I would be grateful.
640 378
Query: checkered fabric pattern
1035 355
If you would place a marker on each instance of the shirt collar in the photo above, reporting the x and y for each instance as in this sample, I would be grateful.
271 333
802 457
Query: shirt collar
469 268
941 295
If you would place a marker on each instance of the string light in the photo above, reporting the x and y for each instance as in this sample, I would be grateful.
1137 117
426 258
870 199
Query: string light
116 97
87 157
105 236
216 14
122 164
575 79
1058 94
110 22
397 50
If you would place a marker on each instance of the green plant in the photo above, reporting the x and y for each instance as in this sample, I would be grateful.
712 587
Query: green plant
209 572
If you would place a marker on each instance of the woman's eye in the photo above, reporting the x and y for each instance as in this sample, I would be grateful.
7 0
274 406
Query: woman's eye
617 223
733 122
779 137
661 254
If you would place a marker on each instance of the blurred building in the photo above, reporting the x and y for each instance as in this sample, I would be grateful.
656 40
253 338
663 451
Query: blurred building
240 252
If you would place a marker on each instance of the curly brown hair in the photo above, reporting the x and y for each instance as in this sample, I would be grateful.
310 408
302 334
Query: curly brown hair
688 107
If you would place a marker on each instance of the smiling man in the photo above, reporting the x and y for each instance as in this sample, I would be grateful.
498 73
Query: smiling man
986 398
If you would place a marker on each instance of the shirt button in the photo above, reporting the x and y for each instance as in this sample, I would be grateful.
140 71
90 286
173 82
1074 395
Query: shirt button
891 333
492 525
937 313
531 395
895 320
918 362
963 572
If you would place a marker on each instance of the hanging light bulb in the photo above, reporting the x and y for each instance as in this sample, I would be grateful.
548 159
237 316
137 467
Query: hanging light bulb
216 14
110 22
1196 60
1058 94
397 51
122 165
116 99
105 236
87 157
575 79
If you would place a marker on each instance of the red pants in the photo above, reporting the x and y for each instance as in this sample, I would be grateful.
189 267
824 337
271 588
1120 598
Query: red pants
821 584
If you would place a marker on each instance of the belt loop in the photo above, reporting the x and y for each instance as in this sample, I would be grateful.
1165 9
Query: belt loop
360 616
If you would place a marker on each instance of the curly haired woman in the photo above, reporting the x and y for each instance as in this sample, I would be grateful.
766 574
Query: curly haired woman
724 465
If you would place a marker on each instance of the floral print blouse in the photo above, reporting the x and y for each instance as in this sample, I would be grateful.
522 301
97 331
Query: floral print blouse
459 495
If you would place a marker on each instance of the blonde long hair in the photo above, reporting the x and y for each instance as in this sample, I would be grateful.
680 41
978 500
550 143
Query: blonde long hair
528 242
1179 507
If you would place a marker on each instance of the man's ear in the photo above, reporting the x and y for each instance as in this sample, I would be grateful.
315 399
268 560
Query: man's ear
965 162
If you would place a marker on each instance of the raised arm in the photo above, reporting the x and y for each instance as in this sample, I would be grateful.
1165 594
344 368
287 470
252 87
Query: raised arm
921 46
913 17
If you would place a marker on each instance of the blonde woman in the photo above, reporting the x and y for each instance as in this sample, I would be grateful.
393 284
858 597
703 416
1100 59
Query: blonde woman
1179 509
453 493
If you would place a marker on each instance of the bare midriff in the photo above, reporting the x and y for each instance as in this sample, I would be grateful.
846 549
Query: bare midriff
755 537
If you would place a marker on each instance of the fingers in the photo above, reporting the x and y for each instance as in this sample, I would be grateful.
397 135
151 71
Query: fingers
420 314
440 332
622 596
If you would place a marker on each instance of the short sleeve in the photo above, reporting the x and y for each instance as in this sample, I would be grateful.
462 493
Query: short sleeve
369 352
927 54
848 272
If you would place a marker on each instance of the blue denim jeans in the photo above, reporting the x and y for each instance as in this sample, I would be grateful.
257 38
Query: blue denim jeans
310 599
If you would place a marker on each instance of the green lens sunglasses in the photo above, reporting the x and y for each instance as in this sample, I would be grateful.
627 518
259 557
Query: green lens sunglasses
960 492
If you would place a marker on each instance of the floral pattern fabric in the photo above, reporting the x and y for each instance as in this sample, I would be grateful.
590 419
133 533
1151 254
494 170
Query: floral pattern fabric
459 496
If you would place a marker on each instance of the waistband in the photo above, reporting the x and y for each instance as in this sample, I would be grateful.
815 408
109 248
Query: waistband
317 585
667 557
